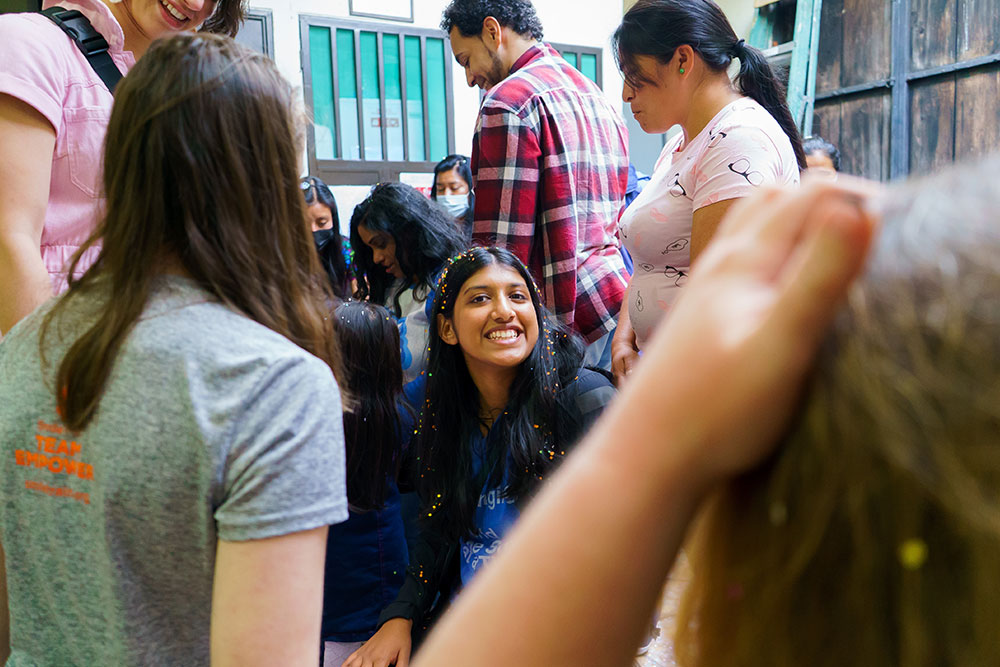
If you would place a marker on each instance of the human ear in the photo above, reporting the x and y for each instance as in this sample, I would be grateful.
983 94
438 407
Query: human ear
491 33
683 57
446 330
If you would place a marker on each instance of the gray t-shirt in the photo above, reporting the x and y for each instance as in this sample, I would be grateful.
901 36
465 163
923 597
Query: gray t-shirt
211 427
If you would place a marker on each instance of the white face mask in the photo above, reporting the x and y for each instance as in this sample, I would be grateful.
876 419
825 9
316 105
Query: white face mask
457 205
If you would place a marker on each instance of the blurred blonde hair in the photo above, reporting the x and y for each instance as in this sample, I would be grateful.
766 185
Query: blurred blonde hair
873 536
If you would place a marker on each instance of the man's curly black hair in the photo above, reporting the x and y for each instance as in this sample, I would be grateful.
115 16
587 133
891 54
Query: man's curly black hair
468 16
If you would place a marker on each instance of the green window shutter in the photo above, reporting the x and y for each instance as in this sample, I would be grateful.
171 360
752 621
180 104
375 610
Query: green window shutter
393 97
347 102
437 101
321 64
371 106
571 59
414 99
588 65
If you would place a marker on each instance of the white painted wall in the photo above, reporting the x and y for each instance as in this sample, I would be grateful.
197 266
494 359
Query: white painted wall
740 15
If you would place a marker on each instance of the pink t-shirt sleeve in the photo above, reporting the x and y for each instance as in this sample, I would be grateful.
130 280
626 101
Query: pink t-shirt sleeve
737 161
34 64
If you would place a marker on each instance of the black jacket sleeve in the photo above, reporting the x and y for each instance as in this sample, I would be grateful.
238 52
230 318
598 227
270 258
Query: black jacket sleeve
432 560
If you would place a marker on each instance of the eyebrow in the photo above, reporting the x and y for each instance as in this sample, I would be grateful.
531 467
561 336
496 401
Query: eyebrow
486 287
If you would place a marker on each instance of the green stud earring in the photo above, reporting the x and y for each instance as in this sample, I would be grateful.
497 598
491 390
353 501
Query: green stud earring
682 70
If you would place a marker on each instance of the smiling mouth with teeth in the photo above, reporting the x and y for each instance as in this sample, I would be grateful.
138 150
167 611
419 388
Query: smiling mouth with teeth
505 334
173 11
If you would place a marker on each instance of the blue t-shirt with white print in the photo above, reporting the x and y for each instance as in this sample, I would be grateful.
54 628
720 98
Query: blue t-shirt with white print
496 514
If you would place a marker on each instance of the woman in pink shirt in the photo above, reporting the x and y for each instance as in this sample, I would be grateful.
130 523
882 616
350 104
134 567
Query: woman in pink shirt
736 136
54 112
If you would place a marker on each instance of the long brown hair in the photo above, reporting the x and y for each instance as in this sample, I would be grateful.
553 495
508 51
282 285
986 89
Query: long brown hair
201 172
873 535
227 18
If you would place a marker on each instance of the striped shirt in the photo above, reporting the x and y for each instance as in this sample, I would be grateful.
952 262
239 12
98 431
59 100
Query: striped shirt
550 164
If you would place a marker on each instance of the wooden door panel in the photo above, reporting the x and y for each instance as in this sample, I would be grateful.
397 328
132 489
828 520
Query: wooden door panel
831 45
826 121
864 135
977 115
978 28
866 46
932 33
932 125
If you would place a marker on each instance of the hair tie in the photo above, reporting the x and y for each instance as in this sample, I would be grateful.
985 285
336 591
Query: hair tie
738 48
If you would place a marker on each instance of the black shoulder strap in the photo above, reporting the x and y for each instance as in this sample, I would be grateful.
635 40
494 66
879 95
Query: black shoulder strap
91 43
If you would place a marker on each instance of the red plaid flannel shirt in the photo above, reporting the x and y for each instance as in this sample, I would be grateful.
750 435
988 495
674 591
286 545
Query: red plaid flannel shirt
550 164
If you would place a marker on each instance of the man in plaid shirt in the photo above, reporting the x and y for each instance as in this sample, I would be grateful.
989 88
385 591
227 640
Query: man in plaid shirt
550 163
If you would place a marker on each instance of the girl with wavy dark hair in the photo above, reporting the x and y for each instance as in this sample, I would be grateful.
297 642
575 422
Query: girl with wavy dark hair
401 239
366 557
165 424
333 249
735 137
506 398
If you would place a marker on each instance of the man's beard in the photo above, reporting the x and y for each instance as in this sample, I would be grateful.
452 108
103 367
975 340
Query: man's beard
496 73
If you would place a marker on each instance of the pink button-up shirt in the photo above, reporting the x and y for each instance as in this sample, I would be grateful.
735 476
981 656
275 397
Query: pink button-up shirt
45 69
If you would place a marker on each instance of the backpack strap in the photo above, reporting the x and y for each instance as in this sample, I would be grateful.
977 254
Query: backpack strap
90 42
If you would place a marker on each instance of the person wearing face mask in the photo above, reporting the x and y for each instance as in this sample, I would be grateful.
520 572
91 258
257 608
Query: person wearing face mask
334 250
452 188
401 240
54 111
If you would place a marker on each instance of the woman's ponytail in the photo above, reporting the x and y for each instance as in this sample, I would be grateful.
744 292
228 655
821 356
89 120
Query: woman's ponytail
757 80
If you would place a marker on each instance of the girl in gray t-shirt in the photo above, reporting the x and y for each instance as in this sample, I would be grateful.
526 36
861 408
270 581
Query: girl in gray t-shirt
170 464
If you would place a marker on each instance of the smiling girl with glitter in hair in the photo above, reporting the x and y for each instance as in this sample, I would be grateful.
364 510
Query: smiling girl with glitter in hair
506 398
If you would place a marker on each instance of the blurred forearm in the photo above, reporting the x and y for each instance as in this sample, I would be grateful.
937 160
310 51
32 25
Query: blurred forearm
24 281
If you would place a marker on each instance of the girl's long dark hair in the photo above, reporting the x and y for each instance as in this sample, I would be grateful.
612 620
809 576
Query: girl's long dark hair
525 442
185 185
332 254
425 235
369 345
657 27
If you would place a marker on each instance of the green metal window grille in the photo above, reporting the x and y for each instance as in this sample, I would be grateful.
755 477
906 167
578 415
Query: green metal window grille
437 103
371 100
414 99
348 97
322 92
588 65
378 95
393 98
584 58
